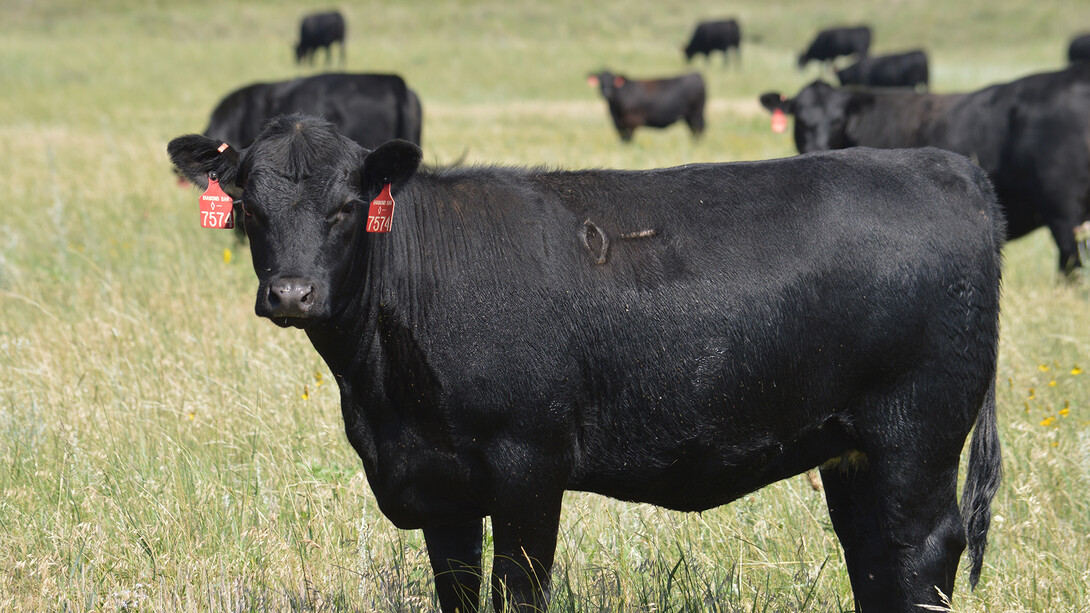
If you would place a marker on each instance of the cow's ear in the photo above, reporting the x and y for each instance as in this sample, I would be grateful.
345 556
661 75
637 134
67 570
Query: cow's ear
775 101
393 162
195 156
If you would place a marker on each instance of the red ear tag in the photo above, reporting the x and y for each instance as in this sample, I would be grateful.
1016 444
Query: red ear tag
381 214
216 207
779 121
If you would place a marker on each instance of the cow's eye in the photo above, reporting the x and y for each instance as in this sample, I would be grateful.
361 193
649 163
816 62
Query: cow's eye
348 207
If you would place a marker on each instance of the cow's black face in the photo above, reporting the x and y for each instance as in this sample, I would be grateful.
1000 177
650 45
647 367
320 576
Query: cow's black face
821 116
301 229
305 190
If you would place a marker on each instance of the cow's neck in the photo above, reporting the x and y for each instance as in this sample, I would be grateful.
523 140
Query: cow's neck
386 301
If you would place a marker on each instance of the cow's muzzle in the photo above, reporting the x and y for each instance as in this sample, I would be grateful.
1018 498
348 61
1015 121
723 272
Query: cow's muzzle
290 301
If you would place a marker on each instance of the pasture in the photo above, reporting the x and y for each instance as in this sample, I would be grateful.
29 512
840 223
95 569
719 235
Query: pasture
163 449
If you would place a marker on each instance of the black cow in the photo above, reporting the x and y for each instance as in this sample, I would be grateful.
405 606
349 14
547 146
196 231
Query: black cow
1079 49
655 103
715 36
907 69
835 42
1030 135
522 332
317 31
368 108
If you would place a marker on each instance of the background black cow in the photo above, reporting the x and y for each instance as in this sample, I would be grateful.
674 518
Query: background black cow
367 108
519 333
1079 49
834 42
715 36
907 69
1030 135
318 31
655 103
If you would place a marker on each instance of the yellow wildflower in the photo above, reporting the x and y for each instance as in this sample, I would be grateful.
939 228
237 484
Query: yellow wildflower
319 378
306 393
1042 367
1032 394
226 256
1052 383
1046 422
1076 370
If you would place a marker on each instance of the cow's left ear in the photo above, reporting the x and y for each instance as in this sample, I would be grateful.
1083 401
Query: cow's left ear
392 162
195 156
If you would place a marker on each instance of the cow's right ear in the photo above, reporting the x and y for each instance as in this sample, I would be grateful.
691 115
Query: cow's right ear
774 101
195 156
392 162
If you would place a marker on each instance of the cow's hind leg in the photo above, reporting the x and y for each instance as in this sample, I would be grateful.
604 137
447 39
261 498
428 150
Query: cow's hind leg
900 527
455 553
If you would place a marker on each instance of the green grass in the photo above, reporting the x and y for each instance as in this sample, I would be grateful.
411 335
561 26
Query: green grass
162 449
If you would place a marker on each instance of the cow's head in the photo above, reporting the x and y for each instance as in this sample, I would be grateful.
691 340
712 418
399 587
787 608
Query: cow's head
305 190
823 116
608 82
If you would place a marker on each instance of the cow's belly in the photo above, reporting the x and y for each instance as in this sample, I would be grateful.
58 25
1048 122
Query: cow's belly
699 473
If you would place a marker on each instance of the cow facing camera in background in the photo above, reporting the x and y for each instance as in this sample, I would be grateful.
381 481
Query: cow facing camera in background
655 103
1029 135
317 31
712 36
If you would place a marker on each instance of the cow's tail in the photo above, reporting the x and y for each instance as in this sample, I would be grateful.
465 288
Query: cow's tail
981 482
985 463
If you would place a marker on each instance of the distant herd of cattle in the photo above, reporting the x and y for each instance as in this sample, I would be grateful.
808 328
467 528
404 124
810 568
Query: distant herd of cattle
516 333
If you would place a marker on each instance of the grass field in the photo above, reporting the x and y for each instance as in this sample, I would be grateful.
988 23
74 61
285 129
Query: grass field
162 449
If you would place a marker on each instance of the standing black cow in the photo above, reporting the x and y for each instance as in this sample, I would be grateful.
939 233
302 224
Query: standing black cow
1079 49
1030 135
367 108
907 69
655 103
522 332
715 36
317 31
835 42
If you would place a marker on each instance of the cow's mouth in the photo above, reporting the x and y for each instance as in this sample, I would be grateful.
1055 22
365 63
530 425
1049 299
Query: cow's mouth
293 322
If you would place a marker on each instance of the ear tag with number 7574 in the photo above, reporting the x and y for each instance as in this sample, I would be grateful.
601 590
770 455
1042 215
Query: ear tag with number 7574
216 206
380 216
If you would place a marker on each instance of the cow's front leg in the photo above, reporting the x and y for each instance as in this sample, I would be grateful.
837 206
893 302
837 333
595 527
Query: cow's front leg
524 535
455 553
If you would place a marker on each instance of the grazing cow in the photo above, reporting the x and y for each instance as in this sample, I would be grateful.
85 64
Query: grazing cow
1030 135
317 31
656 103
715 36
835 42
897 70
367 108
521 332
1079 49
